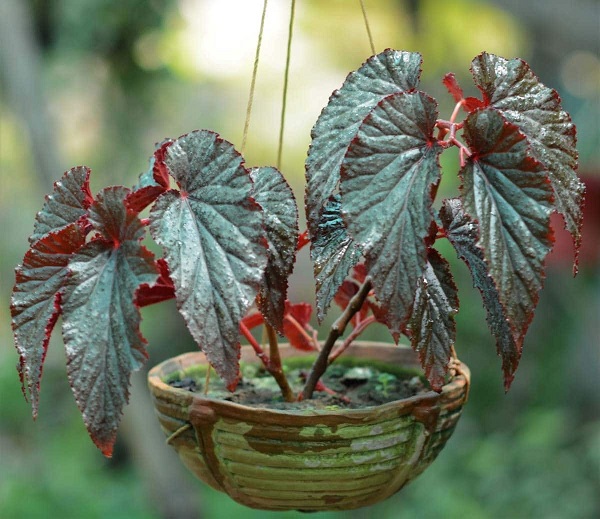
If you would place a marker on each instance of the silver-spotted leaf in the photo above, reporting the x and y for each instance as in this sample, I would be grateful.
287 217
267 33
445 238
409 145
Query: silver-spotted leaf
67 204
432 325
386 73
388 176
214 242
511 87
508 192
463 233
335 254
100 320
36 300
275 196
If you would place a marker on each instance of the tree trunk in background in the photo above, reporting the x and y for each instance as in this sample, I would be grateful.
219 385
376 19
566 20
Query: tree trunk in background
21 80
166 480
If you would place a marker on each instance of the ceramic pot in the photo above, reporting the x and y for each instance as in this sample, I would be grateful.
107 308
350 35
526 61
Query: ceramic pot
308 460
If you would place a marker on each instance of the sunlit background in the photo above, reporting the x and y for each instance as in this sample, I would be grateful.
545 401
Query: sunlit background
98 82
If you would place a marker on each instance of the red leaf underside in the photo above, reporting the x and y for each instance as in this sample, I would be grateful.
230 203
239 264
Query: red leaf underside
36 301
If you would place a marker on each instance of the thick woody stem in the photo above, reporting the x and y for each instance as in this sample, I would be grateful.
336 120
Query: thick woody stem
275 365
337 330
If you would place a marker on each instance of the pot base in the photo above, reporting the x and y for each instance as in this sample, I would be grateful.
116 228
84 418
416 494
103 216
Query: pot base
308 460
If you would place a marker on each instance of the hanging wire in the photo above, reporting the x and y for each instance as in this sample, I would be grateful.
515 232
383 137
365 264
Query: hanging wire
285 83
364 12
254 73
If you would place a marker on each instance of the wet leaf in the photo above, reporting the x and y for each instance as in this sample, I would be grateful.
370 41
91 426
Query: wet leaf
386 73
463 234
388 176
36 300
512 88
214 242
276 198
334 252
508 193
67 204
432 325
100 322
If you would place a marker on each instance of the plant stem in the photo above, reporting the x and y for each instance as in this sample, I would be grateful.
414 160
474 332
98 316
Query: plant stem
285 83
254 73
275 365
337 330
255 346
352 337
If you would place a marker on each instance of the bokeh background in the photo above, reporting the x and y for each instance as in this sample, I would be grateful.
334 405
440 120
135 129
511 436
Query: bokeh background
98 82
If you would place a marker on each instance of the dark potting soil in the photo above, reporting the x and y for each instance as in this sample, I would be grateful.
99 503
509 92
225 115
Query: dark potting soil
347 385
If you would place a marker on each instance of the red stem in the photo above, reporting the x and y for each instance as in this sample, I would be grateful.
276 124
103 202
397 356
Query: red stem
257 349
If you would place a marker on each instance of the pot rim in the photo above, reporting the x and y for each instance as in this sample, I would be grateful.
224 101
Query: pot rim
186 398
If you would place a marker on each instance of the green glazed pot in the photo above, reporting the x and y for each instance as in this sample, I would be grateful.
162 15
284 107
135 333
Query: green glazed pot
308 460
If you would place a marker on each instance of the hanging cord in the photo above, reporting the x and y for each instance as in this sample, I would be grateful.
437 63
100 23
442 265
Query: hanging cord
254 72
364 12
285 83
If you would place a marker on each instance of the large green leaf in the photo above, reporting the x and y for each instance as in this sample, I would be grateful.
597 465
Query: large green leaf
67 204
463 233
214 242
36 299
335 254
432 325
100 320
388 176
511 87
276 198
384 74
509 194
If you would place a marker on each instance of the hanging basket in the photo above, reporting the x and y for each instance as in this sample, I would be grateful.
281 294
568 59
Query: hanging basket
308 460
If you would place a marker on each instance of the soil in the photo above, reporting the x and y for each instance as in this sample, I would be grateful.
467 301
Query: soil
348 384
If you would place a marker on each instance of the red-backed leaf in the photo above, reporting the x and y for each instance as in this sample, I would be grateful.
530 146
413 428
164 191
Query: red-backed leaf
275 196
152 183
35 302
432 325
213 237
508 193
388 176
67 204
335 254
162 290
512 88
295 325
451 84
100 320
463 234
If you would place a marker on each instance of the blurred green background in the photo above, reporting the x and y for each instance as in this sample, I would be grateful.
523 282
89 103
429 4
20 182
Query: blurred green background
98 82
